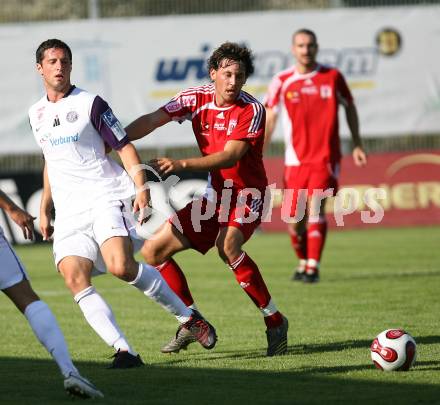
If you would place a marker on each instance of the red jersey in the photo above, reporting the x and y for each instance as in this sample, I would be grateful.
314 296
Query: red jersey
310 113
213 126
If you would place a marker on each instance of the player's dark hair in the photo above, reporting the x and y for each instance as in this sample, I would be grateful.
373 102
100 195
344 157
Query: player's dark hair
306 32
234 52
51 43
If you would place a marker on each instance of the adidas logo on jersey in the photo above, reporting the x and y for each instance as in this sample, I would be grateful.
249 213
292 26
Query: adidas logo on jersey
56 121
221 115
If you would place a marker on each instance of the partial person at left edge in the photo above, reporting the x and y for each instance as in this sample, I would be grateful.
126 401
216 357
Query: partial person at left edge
92 197
15 284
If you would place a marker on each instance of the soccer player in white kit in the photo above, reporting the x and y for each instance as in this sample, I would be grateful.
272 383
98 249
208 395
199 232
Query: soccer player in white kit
14 282
89 192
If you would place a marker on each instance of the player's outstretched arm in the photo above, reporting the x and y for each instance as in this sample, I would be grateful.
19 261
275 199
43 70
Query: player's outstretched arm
147 123
271 120
46 206
132 164
23 219
228 157
359 155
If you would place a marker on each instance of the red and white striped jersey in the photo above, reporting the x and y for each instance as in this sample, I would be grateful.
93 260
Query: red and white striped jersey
309 104
213 126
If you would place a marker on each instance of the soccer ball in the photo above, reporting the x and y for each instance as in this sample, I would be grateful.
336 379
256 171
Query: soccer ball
393 350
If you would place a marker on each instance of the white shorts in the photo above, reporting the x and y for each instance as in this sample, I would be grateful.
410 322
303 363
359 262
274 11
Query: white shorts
83 235
11 269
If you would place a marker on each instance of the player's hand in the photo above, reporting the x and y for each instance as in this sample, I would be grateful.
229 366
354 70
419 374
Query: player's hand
46 227
142 205
166 165
24 220
359 156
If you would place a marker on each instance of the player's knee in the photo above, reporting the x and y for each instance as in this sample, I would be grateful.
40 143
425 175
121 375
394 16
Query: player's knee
123 268
74 281
152 255
228 250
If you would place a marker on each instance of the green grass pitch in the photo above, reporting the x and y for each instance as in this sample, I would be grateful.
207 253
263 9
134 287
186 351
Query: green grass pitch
371 280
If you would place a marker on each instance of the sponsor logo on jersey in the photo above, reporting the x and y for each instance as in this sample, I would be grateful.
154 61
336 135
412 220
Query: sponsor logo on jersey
309 90
231 126
72 116
173 106
204 128
114 125
293 96
62 140
188 101
44 137
220 126
109 118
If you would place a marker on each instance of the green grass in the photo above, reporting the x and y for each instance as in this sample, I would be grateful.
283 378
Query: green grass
371 280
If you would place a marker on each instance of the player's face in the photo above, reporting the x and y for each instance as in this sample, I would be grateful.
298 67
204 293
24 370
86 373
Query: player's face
55 68
305 49
228 79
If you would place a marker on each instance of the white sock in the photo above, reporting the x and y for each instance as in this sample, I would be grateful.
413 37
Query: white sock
270 309
46 329
153 285
100 317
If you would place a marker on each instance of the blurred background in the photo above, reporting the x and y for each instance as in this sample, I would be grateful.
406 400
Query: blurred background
137 54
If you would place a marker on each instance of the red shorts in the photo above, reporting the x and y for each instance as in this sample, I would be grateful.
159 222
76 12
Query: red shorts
201 220
308 180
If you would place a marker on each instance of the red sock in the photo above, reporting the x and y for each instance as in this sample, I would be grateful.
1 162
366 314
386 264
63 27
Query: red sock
316 235
249 277
175 278
299 244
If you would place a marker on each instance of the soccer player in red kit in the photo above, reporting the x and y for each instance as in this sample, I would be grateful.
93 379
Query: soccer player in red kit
309 95
229 126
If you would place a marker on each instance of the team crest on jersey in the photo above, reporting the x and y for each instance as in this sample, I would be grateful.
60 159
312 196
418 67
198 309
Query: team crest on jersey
72 116
232 125
326 91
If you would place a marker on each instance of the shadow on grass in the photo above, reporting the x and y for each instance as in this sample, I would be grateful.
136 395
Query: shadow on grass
321 347
38 382
375 275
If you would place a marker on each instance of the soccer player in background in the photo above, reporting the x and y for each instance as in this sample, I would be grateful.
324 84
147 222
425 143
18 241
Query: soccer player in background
309 95
89 191
14 282
228 124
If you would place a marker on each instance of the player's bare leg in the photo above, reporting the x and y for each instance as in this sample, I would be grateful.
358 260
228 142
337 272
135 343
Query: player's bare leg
118 256
99 315
247 274
47 331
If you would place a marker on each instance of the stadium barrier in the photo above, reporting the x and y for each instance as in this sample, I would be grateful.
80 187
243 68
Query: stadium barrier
395 189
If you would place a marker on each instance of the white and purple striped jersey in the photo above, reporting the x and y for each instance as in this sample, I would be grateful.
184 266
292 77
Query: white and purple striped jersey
72 134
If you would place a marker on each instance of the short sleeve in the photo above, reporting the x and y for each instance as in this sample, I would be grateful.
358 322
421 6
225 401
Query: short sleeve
272 97
342 90
107 125
181 106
